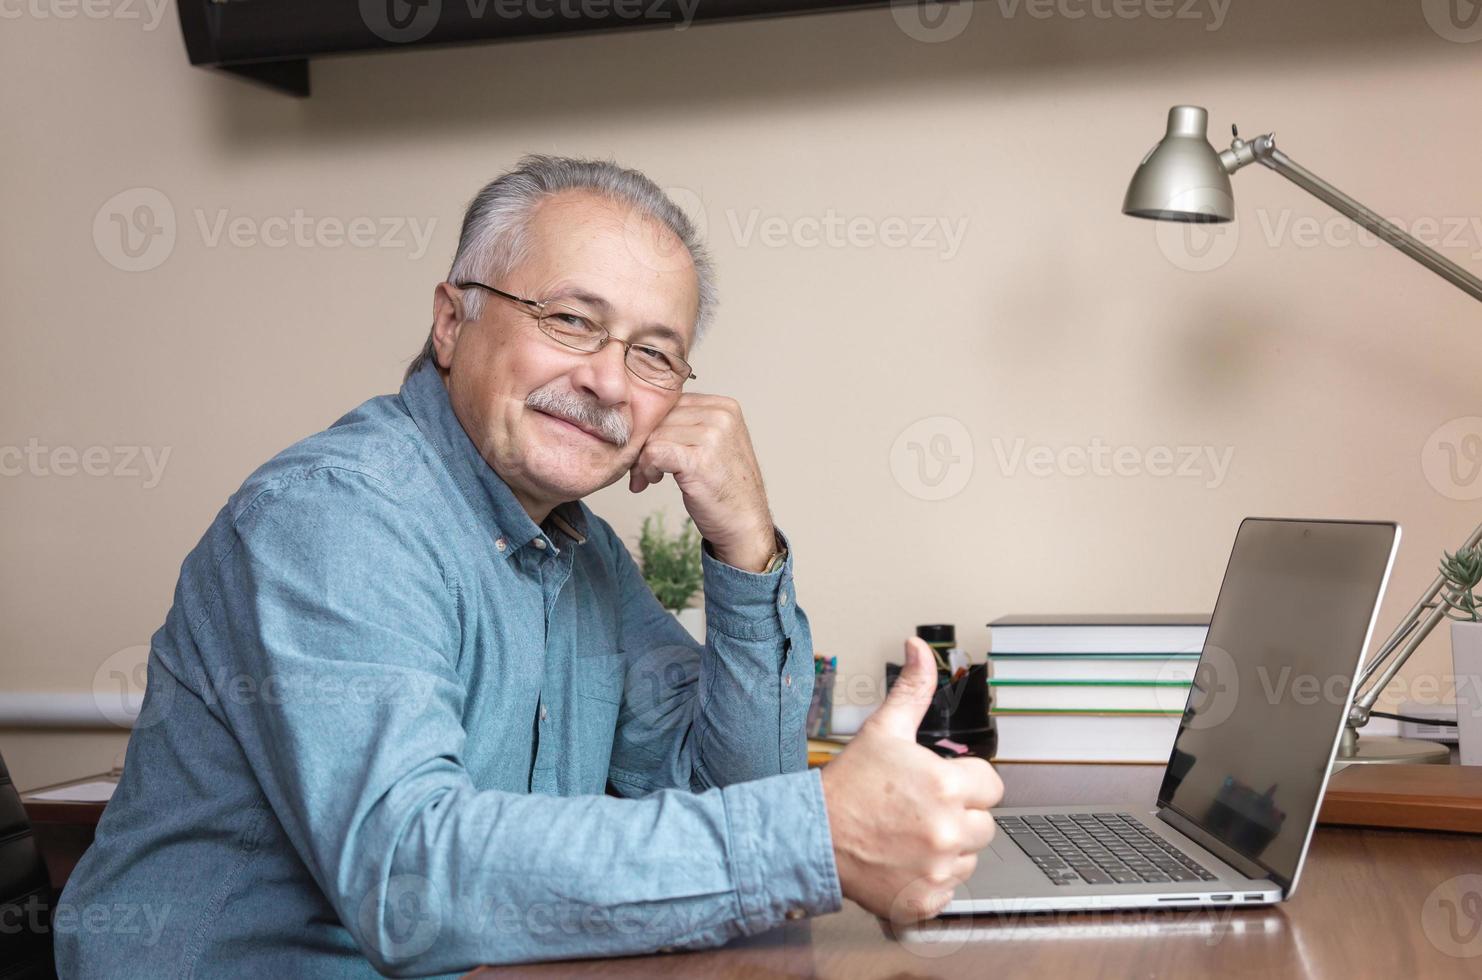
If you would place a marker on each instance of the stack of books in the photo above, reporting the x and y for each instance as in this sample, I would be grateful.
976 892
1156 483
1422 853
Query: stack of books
1091 688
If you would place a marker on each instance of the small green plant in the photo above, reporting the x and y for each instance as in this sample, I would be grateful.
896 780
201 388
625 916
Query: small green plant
1462 572
671 564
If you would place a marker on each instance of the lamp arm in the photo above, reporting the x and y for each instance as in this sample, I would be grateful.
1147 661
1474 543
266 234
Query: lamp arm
1412 631
1263 149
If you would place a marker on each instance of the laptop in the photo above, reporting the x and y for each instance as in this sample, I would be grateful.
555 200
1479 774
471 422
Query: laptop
1240 794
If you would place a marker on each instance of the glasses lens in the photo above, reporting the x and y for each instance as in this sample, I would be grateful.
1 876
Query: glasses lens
572 327
657 367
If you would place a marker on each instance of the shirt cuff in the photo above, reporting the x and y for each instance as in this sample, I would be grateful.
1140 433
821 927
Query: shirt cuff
749 605
781 851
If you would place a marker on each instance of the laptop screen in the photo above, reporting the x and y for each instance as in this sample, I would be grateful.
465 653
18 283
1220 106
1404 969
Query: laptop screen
1274 682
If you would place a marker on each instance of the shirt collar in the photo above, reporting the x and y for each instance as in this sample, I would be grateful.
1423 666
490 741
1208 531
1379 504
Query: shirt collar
426 400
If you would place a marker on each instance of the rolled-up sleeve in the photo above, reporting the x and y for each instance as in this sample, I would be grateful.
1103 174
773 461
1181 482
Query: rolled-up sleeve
729 710
333 600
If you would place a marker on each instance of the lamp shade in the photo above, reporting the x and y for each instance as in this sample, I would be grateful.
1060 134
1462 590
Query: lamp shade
1182 178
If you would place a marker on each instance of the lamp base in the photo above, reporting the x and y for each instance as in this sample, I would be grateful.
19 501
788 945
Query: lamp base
1385 750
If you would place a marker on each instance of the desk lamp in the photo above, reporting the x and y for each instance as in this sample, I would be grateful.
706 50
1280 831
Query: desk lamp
1184 178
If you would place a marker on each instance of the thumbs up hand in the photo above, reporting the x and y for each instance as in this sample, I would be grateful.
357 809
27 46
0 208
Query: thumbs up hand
906 824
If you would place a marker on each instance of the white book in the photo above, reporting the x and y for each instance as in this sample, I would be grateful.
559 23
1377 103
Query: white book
1064 737
1135 634
1116 667
1102 696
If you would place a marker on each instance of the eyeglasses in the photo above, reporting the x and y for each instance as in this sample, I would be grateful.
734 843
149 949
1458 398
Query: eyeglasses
573 328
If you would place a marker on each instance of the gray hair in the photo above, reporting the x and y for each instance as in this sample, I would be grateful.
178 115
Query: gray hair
494 240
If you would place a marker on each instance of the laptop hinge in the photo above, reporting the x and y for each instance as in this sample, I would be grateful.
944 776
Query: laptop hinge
1217 847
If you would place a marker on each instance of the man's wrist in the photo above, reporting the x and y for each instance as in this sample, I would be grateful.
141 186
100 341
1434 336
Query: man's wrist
758 557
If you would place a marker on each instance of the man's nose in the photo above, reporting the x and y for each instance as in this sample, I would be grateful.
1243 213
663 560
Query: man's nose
604 375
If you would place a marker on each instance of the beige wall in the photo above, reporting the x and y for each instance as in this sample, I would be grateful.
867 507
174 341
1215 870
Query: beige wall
1322 368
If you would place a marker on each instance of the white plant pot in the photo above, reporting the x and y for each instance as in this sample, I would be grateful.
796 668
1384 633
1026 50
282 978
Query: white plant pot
1466 660
693 620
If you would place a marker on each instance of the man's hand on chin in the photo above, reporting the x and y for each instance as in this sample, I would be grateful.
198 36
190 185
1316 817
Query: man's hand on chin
703 441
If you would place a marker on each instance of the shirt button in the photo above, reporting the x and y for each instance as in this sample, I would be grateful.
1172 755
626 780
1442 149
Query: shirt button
783 600
795 914
542 712
539 543
500 543
787 680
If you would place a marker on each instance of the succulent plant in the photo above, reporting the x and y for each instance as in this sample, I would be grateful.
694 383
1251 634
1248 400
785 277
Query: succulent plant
1462 572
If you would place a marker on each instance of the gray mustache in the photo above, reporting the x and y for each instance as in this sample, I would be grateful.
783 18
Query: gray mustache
608 423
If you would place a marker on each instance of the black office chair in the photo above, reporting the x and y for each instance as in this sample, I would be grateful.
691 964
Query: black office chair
25 893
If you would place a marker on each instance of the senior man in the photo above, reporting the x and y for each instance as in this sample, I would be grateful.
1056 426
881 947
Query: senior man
415 709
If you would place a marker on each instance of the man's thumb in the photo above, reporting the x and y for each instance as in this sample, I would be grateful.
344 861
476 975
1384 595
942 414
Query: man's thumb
911 693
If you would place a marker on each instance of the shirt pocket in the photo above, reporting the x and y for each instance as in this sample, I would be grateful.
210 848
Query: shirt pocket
600 677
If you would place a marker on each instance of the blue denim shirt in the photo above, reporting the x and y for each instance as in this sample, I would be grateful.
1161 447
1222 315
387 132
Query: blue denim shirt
392 723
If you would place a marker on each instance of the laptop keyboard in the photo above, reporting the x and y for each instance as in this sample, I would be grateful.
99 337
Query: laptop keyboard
1099 849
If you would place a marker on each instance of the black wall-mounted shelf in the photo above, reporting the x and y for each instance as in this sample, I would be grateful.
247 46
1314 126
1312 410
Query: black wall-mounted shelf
272 41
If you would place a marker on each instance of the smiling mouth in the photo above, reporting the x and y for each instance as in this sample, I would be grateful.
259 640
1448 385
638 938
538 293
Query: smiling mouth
572 426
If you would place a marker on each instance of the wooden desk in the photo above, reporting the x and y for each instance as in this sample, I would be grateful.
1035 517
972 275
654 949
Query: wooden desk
64 829
1357 912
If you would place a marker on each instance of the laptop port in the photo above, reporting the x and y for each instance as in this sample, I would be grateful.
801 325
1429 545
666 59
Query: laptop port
1220 898
1254 898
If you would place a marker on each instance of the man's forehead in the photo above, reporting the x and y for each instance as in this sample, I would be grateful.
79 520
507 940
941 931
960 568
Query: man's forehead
597 250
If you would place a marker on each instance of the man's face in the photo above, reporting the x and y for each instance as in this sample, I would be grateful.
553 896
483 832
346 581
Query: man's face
508 381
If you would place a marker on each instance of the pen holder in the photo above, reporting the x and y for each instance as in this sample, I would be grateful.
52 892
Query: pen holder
821 708
958 711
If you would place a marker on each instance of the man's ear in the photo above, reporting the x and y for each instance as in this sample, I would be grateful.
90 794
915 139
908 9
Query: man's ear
447 321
